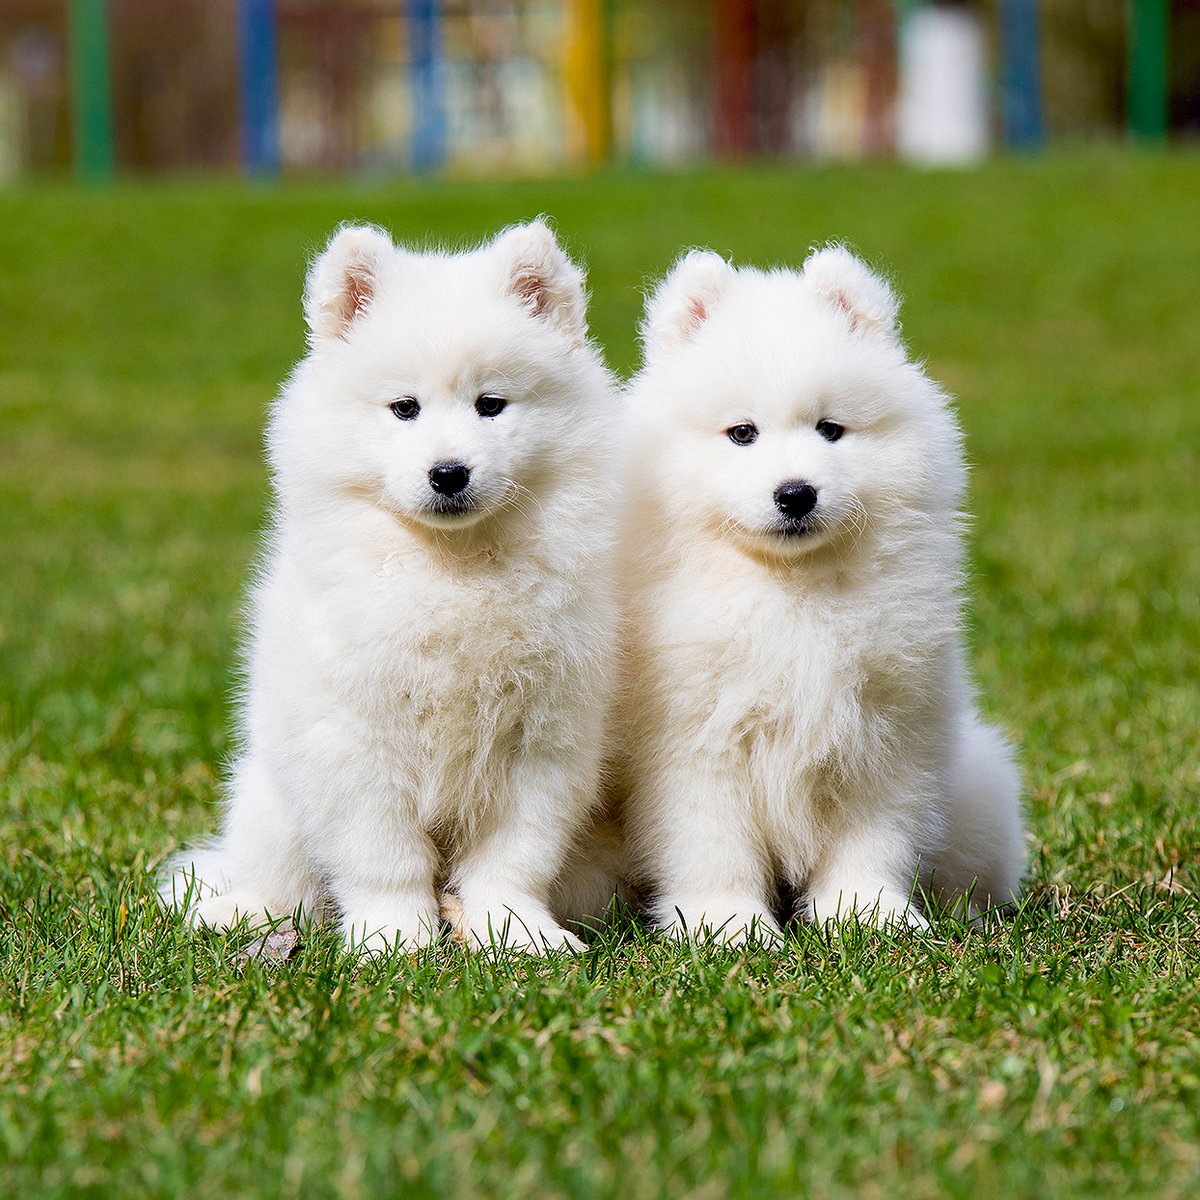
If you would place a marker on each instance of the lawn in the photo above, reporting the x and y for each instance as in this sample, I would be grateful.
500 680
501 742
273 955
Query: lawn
142 332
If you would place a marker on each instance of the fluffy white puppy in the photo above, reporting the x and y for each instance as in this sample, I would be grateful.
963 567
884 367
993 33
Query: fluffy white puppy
429 632
797 709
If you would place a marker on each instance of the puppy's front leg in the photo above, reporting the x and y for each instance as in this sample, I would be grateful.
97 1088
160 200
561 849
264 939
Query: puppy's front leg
503 880
869 871
383 880
705 856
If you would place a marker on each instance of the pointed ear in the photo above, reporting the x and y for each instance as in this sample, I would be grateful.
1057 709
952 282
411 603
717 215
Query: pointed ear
542 278
343 280
684 300
848 285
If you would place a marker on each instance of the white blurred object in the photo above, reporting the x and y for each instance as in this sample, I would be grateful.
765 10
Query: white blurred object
942 114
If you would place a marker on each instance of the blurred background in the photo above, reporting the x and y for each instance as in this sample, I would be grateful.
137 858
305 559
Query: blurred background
512 87
144 327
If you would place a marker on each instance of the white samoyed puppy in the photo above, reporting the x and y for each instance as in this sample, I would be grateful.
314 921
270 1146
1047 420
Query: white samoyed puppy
432 619
797 714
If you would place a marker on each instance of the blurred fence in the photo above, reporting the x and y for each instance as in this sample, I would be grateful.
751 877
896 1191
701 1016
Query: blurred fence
511 86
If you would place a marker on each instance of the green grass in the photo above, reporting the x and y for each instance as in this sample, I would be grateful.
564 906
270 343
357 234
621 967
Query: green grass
142 332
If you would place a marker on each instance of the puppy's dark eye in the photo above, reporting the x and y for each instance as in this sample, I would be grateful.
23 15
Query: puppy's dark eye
406 408
490 405
830 430
742 435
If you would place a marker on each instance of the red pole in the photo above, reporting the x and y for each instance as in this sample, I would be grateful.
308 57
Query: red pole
733 124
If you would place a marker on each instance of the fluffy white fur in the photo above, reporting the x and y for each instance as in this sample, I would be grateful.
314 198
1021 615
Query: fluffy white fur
425 689
797 709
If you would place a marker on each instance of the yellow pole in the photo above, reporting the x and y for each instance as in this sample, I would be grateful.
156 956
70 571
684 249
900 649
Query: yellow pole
588 115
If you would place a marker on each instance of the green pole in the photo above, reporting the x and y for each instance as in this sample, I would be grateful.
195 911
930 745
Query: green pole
1148 68
91 92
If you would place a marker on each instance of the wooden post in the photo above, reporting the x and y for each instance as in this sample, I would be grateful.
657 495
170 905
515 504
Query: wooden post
426 66
1021 73
91 91
1148 68
586 82
260 86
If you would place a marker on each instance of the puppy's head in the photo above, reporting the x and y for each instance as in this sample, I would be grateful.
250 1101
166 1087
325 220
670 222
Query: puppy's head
439 386
780 408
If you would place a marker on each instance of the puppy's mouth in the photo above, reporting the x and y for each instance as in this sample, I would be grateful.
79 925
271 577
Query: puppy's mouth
797 527
784 535
462 504
462 511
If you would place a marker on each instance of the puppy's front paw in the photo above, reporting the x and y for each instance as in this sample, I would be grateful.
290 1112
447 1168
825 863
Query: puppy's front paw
729 925
898 910
501 929
885 908
384 932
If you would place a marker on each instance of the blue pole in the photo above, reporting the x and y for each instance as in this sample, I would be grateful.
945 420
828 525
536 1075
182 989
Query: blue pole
260 86
428 71
1021 73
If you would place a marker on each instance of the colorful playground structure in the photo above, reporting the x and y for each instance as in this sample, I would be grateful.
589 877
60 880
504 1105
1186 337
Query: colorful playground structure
507 86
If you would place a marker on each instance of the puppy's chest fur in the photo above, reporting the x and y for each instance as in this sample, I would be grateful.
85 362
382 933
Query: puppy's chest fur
441 673
799 689
437 650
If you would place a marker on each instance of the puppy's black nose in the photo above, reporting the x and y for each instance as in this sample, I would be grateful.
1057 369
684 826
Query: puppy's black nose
449 478
795 498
